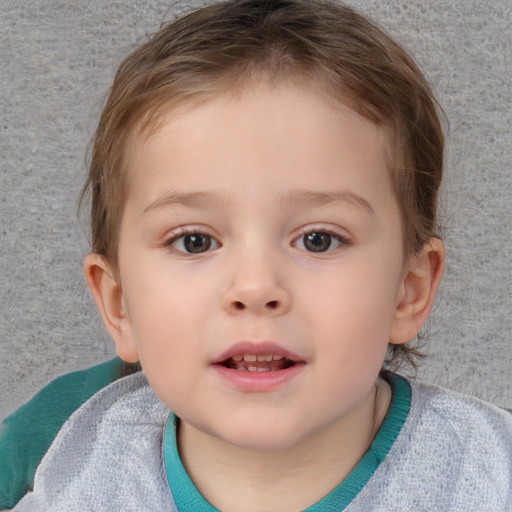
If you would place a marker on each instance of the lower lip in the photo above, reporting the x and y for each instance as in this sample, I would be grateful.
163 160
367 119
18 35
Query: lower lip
259 382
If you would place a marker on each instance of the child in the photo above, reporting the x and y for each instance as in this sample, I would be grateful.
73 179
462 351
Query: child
264 180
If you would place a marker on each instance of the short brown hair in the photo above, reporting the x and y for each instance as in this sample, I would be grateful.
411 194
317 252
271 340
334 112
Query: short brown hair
322 42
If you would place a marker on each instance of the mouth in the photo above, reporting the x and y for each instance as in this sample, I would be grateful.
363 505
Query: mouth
257 357
258 362
258 367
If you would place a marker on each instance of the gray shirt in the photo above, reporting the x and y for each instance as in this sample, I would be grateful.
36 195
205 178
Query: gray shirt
453 453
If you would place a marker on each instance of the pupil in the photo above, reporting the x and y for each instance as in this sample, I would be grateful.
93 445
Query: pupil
317 242
197 243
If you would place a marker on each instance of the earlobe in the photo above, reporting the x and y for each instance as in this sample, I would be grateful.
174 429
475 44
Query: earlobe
107 293
417 291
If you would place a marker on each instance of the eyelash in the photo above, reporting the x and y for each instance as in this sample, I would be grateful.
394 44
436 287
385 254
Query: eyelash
184 232
343 241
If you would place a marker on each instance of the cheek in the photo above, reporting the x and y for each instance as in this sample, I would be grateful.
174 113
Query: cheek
164 308
365 289
353 312
166 325
155 289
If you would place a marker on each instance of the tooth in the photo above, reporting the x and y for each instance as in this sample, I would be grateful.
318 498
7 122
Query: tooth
240 367
250 357
252 369
263 369
276 357
237 359
267 357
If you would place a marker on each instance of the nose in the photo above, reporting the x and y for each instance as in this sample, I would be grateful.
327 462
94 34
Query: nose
256 287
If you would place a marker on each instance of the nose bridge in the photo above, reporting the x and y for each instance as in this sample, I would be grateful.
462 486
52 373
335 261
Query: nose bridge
256 281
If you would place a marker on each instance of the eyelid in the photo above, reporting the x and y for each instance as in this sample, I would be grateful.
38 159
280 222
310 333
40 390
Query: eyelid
339 233
189 229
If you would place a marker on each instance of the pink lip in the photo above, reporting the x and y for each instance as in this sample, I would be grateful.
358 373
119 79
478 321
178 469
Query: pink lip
254 381
259 349
259 382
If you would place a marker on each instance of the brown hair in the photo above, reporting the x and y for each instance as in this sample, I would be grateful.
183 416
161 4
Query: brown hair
319 41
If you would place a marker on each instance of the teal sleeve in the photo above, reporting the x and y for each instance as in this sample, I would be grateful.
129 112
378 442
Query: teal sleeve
26 435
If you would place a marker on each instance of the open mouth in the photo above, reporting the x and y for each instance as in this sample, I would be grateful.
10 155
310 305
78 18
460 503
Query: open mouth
258 363
258 367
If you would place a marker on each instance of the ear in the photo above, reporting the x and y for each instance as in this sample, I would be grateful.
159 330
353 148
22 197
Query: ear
417 291
108 295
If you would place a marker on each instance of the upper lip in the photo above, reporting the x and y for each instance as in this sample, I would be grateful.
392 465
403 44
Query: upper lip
256 348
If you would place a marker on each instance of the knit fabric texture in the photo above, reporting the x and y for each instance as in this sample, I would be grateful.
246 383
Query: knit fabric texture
453 453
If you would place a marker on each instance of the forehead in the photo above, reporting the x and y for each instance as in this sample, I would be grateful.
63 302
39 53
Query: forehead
256 88
260 134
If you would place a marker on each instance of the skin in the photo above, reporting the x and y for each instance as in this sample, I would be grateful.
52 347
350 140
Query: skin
253 172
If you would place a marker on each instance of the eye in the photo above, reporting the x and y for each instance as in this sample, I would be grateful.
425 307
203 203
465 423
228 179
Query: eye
319 241
192 243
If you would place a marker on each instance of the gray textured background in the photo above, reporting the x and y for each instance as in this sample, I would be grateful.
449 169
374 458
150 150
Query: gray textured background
57 58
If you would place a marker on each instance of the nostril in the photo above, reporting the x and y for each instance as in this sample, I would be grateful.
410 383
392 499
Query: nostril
239 305
272 304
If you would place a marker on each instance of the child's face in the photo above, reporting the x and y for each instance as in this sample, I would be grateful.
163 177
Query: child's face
262 223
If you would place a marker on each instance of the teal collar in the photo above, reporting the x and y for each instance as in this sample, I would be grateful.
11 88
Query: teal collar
187 497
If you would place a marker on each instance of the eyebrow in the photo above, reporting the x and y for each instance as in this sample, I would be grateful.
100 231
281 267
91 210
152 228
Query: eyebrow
187 199
309 198
298 198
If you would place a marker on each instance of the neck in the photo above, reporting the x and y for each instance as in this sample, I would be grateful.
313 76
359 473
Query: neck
233 478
